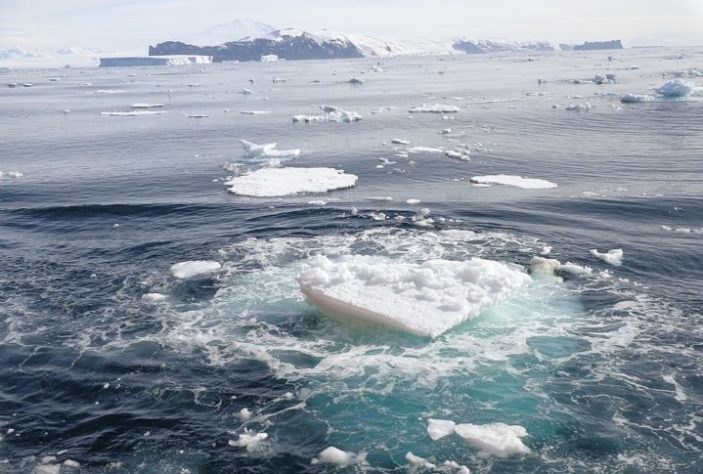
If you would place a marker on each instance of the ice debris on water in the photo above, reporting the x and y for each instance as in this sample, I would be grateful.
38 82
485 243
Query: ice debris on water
194 268
612 257
249 440
276 182
424 299
338 457
434 109
11 174
330 113
579 107
636 98
493 439
267 150
512 180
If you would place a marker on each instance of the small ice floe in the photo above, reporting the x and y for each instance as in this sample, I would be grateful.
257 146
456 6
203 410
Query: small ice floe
154 297
245 414
434 109
317 202
276 182
636 98
400 141
133 113
108 91
71 464
493 439
379 198
197 116
356 80
413 201
579 107
511 180
330 114
424 149
245 91
255 112
249 440
611 257
416 462
336 456
11 174
607 79
146 106
676 89
194 268
267 150
551 266
424 299
461 154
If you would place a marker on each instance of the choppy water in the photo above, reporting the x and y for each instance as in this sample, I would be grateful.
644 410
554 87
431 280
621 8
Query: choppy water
603 371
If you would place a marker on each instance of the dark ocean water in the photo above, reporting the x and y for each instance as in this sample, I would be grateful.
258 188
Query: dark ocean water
603 371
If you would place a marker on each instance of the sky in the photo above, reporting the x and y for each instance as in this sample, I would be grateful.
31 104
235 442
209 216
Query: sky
135 24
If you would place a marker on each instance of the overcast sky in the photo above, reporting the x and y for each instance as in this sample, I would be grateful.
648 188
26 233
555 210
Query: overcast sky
134 24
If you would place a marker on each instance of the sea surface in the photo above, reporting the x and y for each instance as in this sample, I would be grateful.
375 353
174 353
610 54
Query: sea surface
604 371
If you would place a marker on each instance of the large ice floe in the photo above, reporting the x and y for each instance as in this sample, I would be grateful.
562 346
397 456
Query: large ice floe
276 182
676 88
424 299
512 180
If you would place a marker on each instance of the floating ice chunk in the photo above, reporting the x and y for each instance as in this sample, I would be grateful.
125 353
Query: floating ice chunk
438 429
317 203
400 141
423 299
133 113
11 174
108 91
459 154
330 114
413 201
335 456
612 257
676 88
636 98
418 462
550 266
146 106
197 116
245 414
255 112
274 182
48 469
71 464
245 91
496 439
249 440
154 297
579 107
576 269
194 268
424 149
434 109
459 468
254 149
511 180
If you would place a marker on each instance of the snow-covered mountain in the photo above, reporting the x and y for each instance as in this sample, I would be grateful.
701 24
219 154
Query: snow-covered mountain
237 30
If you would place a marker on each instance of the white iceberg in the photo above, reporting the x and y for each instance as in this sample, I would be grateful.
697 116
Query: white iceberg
276 182
612 257
496 439
434 109
512 180
676 88
194 268
423 299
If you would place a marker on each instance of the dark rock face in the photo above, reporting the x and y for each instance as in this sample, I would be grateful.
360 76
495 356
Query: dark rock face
595 45
290 48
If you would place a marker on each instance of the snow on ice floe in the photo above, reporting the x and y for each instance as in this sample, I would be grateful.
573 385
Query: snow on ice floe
434 109
276 182
330 113
612 257
194 268
636 98
267 150
512 180
424 299
676 88
493 439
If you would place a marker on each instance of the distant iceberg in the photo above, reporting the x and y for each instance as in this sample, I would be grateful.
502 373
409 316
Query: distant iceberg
170 60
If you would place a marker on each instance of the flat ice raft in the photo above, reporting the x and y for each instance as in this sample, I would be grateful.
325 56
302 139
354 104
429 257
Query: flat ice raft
276 182
423 299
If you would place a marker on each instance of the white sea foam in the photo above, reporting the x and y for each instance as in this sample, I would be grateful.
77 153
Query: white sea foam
425 299
195 268
612 257
511 180
276 182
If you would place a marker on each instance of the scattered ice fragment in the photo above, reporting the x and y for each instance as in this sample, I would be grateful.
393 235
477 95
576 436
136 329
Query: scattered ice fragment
579 107
400 141
255 112
335 456
276 182
612 257
71 464
11 174
434 109
194 268
317 203
636 98
550 266
249 440
245 91
47 469
267 150
459 468
154 297
146 106
245 414
676 88
413 201
133 113
197 116
511 180
424 299
330 114
496 439
459 154
424 149
438 429
418 462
